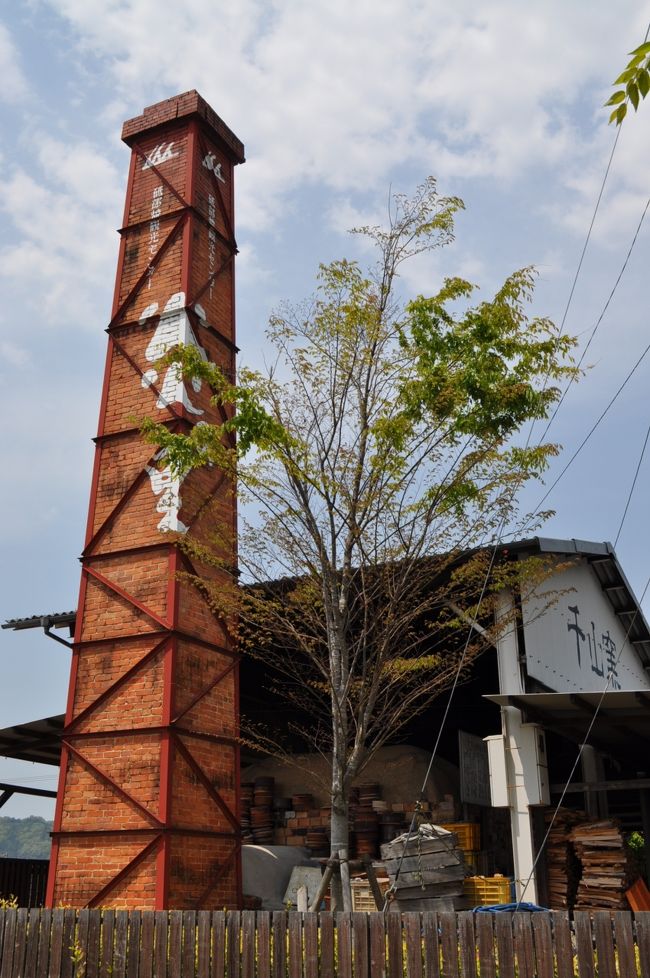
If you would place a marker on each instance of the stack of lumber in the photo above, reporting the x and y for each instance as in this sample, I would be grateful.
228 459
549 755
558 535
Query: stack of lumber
563 868
600 847
426 869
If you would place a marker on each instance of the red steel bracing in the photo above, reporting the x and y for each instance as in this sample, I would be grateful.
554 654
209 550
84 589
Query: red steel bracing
196 660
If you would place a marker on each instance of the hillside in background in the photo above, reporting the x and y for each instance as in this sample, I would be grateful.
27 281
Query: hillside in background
25 838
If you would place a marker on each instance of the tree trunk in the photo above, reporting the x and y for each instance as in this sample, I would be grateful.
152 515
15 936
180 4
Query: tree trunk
340 839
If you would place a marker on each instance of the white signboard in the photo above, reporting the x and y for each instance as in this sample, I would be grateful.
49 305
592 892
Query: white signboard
579 640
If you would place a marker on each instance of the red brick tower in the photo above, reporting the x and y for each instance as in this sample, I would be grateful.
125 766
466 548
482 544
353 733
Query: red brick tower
147 806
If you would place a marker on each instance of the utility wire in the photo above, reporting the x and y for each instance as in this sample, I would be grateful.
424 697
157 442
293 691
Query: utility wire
581 259
592 429
598 321
632 487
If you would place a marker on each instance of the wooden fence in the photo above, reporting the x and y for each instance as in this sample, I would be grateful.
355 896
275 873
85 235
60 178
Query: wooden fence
24 879
255 944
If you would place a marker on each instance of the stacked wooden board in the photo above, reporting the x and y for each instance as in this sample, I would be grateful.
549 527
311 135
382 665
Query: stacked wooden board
426 869
563 867
600 847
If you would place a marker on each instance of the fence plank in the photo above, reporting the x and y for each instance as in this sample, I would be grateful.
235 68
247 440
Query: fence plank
326 944
248 944
9 943
543 944
20 942
134 930
233 930
523 936
174 944
161 928
279 944
563 944
121 942
485 945
147 932
394 934
69 930
413 941
449 942
505 949
34 934
377 942
624 943
344 945
263 944
431 944
584 945
79 946
203 944
604 944
295 944
360 945
56 946
189 943
92 944
642 924
43 963
310 930
108 931
218 944
467 945
3 917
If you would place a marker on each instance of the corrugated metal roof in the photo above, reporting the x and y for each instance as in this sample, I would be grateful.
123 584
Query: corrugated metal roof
38 741
57 619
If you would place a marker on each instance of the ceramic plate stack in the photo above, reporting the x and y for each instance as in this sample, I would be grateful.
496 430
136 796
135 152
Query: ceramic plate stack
392 824
262 811
318 841
246 796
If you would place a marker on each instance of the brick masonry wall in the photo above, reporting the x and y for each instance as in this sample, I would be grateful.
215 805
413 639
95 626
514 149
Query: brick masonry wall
147 808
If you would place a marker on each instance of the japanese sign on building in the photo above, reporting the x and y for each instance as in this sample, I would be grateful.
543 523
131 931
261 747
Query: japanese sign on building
579 643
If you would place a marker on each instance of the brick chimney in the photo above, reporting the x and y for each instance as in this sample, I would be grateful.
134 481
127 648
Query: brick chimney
148 799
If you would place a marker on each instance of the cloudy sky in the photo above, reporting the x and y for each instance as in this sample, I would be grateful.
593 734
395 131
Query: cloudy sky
336 101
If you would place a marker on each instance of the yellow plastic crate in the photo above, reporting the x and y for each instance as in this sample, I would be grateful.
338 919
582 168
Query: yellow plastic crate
486 890
471 858
469 834
362 898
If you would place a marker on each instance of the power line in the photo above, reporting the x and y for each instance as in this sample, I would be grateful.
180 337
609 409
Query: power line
592 429
632 487
599 320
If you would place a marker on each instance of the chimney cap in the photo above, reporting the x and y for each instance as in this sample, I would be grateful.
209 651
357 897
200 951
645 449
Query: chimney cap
187 105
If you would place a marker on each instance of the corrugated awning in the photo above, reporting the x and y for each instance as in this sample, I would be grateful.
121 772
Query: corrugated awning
621 728
38 741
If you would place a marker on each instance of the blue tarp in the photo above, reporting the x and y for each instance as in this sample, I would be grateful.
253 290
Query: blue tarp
511 907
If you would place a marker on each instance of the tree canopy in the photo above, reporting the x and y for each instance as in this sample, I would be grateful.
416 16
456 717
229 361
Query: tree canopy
376 458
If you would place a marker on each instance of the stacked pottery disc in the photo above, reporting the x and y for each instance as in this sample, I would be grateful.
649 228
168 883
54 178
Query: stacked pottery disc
391 824
302 803
318 841
246 799
366 820
262 811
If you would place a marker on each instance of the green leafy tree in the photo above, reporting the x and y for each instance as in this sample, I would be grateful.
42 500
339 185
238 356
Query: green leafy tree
375 459
635 82
25 838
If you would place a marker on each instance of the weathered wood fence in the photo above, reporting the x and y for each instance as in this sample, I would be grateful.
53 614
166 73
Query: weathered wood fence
24 879
131 944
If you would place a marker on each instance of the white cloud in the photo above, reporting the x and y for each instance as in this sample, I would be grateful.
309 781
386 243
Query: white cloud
13 87
13 355
348 93
62 243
